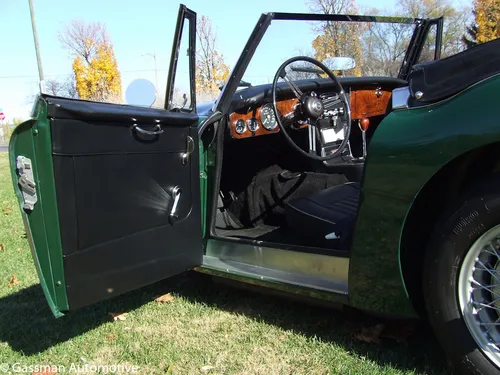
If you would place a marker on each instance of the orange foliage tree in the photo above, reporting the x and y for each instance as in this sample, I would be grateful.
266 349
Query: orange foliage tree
486 24
94 66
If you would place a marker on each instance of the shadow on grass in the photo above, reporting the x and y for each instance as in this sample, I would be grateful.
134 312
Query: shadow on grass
29 327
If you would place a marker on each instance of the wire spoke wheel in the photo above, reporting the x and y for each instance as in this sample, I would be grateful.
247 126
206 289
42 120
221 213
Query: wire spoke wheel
479 293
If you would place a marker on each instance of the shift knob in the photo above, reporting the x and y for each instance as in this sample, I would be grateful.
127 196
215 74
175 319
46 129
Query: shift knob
364 124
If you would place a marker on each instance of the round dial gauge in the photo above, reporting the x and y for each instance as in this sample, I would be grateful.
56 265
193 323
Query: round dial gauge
268 118
253 125
240 126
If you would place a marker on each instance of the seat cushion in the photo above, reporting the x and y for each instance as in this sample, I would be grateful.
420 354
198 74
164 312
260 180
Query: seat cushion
329 211
440 79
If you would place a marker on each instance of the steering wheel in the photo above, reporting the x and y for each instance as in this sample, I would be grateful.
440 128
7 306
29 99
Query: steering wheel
314 110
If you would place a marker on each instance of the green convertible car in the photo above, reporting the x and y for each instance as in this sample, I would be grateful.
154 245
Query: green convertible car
370 181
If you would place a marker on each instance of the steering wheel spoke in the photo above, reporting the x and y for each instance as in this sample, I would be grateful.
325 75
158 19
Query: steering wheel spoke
313 109
295 89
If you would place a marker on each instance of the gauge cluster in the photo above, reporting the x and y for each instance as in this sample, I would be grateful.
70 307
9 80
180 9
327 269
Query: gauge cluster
267 117
258 121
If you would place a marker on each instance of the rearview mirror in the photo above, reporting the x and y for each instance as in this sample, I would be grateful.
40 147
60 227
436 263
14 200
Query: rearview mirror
140 92
340 63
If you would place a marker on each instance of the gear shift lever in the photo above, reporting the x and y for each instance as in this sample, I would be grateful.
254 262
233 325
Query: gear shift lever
363 124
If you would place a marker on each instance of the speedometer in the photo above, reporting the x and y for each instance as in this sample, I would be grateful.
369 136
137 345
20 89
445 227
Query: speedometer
267 117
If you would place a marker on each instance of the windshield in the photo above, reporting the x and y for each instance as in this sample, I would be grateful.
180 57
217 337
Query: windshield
376 48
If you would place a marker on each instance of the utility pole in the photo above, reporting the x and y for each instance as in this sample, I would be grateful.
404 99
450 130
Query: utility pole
153 55
37 47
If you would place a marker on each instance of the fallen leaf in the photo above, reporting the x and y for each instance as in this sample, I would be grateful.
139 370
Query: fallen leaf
2 247
13 281
19 249
399 330
118 316
370 335
166 298
6 210
206 368
111 336
5 202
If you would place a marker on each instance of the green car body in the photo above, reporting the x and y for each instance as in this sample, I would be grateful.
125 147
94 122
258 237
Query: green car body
418 159
410 151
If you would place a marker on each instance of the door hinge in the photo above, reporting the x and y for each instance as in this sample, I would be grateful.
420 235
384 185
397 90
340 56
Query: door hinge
26 182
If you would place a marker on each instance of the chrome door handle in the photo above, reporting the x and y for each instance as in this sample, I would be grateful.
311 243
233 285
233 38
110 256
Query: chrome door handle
176 195
158 130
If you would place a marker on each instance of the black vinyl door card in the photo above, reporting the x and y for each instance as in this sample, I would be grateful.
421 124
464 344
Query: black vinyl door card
121 224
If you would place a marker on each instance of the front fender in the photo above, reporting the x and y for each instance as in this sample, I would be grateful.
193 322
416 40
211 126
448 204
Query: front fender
408 148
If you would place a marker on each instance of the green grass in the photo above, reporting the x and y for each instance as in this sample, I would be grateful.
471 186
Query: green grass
208 324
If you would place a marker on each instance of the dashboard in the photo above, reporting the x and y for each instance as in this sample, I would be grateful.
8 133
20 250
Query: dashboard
259 120
256 120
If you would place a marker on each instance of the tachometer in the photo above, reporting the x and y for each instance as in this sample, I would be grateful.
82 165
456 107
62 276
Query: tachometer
240 126
267 117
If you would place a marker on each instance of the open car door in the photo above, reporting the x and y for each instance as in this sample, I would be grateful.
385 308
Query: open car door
110 194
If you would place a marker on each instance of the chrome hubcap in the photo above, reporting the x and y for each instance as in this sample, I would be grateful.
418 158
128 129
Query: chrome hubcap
479 293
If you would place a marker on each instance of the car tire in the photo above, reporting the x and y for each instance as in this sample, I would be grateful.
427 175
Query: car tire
454 281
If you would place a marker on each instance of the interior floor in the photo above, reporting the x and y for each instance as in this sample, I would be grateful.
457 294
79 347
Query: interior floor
260 178
283 235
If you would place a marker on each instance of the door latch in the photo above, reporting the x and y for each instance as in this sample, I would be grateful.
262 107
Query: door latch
26 182
189 150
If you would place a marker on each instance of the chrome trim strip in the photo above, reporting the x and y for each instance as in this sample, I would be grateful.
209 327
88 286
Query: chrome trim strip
316 271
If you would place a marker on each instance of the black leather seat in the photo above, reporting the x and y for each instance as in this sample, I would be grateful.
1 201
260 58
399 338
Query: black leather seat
330 212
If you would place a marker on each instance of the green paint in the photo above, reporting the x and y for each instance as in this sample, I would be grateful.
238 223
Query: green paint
408 148
32 139
203 182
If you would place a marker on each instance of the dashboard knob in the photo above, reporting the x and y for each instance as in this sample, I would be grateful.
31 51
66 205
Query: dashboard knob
364 124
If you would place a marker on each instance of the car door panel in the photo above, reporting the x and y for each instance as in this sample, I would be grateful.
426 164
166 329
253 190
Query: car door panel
114 196
110 193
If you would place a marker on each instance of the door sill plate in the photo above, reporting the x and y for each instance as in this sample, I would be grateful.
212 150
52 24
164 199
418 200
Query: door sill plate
316 272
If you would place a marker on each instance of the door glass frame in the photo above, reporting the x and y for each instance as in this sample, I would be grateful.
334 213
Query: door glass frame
184 13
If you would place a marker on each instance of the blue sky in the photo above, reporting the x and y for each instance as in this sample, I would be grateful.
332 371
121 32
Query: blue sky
135 27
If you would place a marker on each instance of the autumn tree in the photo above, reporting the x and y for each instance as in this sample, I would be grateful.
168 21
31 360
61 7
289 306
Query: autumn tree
455 20
337 39
384 47
211 69
95 67
486 25
66 88
385 44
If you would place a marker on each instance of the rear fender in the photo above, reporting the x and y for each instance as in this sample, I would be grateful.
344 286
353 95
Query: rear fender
408 148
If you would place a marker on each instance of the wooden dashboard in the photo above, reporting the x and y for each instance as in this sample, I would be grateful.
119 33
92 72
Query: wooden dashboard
284 107
364 103
368 103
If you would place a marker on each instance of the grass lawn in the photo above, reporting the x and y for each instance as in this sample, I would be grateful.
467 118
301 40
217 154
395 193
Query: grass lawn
207 328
